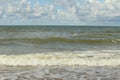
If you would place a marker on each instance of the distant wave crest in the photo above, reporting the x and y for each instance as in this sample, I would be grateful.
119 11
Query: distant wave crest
65 40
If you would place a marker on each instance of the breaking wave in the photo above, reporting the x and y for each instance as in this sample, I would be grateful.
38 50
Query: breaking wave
90 58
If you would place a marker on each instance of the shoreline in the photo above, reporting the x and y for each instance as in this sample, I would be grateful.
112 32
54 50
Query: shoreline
58 58
61 73
60 66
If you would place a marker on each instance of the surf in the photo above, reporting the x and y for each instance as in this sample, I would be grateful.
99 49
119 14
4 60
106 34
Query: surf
89 58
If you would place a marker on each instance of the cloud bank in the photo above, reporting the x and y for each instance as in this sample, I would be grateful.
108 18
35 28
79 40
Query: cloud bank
76 12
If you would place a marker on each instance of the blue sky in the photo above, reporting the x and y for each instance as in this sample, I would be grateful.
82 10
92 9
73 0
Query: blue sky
59 12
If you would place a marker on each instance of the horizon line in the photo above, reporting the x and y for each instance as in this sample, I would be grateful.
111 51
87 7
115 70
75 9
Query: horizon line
65 25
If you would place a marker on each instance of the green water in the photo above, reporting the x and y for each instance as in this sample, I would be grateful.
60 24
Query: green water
35 39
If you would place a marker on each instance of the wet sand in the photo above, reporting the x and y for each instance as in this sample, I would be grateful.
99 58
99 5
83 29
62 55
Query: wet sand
59 66
60 73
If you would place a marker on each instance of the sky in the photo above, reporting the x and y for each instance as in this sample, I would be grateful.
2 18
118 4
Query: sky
59 12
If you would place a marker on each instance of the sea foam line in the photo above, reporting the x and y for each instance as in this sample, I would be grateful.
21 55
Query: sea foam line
61 58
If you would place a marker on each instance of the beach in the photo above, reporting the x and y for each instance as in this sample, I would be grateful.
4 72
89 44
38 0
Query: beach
59 39
58 66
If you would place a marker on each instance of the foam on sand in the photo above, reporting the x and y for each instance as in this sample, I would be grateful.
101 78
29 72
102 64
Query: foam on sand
88 58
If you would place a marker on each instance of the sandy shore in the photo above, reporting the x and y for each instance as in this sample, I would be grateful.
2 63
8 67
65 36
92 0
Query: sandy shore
61 66
60 73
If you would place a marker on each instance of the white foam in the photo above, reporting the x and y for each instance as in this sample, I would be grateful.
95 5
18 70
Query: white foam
90 58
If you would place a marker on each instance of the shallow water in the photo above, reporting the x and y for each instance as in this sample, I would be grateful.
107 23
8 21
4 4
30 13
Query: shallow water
60 73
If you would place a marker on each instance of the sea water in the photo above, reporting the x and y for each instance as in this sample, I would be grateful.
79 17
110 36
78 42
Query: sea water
36 39
23 48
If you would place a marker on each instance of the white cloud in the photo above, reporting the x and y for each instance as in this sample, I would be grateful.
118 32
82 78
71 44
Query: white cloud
76 11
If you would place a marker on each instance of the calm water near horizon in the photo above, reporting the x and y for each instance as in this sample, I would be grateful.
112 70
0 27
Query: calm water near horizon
36 39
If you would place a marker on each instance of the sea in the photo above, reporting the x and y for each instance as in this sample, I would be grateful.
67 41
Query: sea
37 39
23 48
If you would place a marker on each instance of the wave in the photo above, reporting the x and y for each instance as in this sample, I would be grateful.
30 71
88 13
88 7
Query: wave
90 58
65 40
